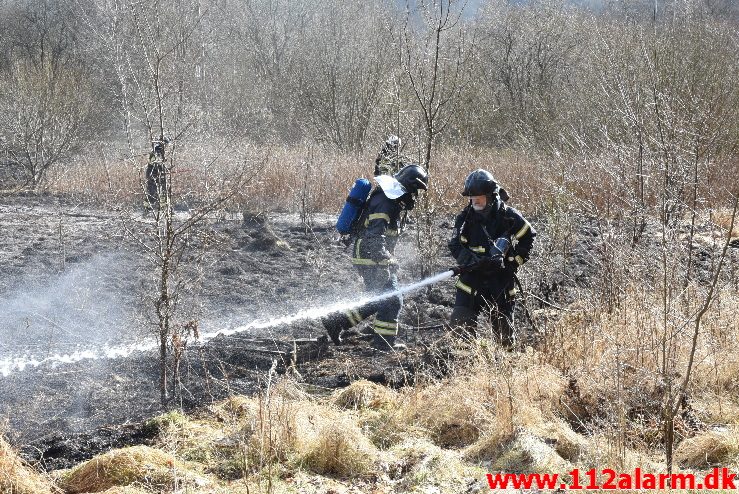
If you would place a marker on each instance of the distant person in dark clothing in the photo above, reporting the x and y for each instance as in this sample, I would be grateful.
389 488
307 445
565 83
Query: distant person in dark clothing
156 175
389 161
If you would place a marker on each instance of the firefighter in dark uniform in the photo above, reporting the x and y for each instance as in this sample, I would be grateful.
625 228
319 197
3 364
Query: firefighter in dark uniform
389 161
380 225
156 176
490 241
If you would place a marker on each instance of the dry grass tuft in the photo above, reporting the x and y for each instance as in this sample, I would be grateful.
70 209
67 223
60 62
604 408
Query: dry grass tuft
718 448
208 442
18 478
567 443
720 371
454 413
235 408
125 490
340 449
287 428
605 450
494 393
364 394
289 389
722 219
713 409
526 452
164 422
419 463
241 435
325 439
553 432
279 429
489 446
389 426
140 465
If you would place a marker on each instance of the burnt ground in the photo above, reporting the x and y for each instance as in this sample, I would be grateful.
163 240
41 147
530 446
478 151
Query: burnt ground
77 277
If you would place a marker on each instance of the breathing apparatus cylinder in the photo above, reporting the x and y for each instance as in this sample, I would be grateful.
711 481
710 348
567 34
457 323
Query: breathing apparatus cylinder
353 206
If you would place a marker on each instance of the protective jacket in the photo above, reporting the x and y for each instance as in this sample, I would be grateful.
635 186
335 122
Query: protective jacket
472 240
375 244
389 165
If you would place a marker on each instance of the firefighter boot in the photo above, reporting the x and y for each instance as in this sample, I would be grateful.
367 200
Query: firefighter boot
386 344
334 324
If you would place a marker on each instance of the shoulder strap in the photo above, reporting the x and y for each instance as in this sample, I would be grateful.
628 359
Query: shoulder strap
358 225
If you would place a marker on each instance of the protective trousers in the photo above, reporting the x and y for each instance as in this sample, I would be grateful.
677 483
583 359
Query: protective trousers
498 307
155 184
377 279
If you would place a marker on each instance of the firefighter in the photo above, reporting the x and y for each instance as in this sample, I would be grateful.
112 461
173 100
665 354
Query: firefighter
156 177
490 241
380 224
389 160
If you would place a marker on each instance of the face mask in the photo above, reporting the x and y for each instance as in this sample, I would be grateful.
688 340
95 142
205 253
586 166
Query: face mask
490 204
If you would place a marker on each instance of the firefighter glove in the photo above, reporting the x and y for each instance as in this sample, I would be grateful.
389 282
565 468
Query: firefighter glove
467 258
490 264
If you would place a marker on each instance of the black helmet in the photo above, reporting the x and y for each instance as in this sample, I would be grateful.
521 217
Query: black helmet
480 183
413 178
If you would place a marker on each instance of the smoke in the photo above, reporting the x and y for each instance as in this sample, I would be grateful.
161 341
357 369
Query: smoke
88 305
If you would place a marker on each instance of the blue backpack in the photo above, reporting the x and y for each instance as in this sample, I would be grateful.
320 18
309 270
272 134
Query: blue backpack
351 212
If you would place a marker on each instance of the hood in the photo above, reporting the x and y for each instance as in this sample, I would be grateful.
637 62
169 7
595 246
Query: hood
390 186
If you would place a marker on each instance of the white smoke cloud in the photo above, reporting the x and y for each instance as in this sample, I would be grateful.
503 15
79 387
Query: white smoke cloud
85 306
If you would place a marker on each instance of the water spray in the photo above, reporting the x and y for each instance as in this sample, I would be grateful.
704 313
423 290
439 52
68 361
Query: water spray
12 365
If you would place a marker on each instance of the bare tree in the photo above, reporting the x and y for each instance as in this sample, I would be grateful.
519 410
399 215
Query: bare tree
157 64
434 55
341 70
45 108
46 96
676 388
524 70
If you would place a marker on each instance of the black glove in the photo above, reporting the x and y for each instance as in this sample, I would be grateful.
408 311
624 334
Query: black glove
467 258
490 264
